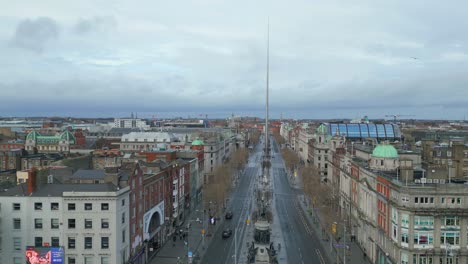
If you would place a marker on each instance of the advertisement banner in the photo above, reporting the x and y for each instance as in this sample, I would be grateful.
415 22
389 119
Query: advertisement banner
44 255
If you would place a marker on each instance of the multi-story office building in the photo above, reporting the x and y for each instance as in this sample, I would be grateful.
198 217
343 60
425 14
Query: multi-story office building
90 221
130 123
396 212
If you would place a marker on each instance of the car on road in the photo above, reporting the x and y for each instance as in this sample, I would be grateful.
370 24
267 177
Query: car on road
227 233
228 215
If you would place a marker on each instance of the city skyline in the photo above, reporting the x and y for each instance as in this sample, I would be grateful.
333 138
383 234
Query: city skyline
328 60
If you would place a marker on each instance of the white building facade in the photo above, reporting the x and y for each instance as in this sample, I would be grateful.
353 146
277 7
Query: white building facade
90 225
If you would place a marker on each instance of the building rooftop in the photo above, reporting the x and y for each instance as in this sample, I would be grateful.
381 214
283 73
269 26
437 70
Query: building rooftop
55 190
385 151
88 174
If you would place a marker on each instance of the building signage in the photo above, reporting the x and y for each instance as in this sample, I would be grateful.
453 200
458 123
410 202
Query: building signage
44 255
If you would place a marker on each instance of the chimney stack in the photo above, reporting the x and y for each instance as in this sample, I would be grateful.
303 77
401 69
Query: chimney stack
31 181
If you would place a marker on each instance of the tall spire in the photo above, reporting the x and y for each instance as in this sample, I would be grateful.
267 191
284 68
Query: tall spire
267 87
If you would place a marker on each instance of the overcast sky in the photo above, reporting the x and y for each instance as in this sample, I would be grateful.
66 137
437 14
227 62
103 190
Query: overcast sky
328 59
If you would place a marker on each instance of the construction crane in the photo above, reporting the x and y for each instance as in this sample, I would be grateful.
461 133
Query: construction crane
396 116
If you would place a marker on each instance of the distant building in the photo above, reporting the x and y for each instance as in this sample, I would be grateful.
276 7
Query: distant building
130 123
36 142
144 141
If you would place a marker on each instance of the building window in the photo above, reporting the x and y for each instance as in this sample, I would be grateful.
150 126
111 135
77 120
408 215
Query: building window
88 243
423 238
17 260
17 243
71 223
55 241
104 206
54 223
16 223
88 206
104 223
16 207
88 224
88 260
38 223
37 206
423 220
452 221
104 260
104 242
71 260
404 235
71 242
54 206
450 238
71 207
38 241
123 218
123 236
123 202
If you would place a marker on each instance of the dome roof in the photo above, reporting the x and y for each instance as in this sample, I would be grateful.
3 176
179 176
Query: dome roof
32 135
322 129
197 142
385 151
68 136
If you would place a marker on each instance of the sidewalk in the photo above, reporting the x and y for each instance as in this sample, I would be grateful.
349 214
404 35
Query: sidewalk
171 251
334 249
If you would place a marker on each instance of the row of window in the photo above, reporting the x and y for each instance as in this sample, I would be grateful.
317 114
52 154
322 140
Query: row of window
55 242
88 260
88 243
427 220
54 223
71 206
427 237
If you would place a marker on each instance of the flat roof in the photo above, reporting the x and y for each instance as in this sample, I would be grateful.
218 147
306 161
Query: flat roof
57 190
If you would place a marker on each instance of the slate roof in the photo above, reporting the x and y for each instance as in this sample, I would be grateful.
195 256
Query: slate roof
88 174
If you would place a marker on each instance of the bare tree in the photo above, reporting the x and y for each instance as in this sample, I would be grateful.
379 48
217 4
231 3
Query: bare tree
319 196
290 158
278 138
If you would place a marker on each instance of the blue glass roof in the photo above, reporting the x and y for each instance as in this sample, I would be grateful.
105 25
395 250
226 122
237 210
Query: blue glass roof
380 131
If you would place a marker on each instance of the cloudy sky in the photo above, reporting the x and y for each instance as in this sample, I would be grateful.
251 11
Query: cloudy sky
328 59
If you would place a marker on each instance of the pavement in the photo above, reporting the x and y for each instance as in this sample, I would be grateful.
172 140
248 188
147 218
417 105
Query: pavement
334 249
171 251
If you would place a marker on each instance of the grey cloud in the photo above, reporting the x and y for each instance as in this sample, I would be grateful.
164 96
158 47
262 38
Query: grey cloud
95 24
35 34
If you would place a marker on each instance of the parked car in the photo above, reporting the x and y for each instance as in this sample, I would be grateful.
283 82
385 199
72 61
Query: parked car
227 233
228 215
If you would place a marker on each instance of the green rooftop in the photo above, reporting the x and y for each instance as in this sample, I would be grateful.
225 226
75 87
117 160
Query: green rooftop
385 151
197 142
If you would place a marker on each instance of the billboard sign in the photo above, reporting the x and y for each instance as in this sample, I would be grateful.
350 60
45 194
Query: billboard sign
44 255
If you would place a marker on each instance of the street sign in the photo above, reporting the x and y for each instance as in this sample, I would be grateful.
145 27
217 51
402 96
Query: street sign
339 245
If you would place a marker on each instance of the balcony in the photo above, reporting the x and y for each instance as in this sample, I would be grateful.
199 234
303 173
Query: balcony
174 192
175 181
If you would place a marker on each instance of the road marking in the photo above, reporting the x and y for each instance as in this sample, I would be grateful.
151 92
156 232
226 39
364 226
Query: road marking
322 261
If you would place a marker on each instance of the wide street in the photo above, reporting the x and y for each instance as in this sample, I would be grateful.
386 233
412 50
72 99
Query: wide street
301 243
222 250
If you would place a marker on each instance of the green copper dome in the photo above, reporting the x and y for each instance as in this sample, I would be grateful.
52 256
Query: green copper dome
68 136
385 151
33 135
322 129
197 142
